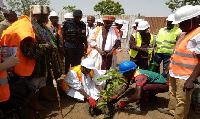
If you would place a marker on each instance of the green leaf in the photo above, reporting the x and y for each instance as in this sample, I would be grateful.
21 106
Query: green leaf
101 78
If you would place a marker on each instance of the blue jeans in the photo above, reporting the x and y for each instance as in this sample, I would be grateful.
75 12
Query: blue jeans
159 57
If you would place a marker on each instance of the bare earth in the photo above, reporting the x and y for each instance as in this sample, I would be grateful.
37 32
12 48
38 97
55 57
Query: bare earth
72 109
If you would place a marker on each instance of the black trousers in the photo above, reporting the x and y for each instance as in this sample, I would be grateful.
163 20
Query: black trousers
73 55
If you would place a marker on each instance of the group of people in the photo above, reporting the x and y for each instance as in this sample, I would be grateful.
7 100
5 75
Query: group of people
178 49
42 48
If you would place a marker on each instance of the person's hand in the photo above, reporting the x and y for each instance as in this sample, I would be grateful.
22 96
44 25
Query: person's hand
122 104
92 102
189 85
11 61
131 42
114 97
109 53
144 49
102 52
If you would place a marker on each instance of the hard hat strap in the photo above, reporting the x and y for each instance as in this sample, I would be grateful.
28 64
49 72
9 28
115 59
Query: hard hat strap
191 24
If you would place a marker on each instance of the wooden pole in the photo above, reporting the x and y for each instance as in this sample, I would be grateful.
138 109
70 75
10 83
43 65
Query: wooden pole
58 96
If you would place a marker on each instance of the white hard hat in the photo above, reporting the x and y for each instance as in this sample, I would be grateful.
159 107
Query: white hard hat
100 20
133 24
88 63
119 21
186 12
142 25
53 14
68 15
114 24
198 6
138 20
170 17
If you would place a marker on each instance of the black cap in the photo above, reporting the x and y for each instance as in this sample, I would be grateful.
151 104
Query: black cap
77 13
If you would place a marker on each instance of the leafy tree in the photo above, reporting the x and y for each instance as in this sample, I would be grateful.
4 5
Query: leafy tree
23 6
109 7
174 4
69 8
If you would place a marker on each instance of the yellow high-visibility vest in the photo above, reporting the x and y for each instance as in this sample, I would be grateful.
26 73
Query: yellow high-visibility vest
166 42
77 69
138 39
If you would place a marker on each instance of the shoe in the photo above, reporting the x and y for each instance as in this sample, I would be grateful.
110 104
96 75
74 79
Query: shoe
161 110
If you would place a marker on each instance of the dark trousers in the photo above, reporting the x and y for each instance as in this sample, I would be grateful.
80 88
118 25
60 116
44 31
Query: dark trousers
159 57
106 62
73 55
149 91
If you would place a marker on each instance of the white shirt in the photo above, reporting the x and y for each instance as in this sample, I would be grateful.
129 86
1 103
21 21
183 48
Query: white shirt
88 84
90 32
193 46
110 42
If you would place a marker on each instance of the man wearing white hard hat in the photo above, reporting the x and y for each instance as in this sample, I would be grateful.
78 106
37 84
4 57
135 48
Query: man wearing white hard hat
68 16
99 22
135 24
141 45
165 42
185 62
119 24
56 29
80 82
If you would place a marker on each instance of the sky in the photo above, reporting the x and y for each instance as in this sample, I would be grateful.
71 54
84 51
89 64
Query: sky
148 8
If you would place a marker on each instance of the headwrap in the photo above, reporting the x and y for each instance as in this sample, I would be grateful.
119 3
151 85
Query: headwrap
109 17
39 9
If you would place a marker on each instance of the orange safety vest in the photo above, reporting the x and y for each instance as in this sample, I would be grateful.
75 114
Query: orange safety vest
184 61
4 86
96 34
12 37
77 69
59 28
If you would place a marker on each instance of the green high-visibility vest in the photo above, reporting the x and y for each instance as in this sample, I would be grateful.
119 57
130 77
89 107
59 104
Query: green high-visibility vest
153 77
166 42
138 39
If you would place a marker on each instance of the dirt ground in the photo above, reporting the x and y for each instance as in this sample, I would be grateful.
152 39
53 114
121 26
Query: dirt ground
73 109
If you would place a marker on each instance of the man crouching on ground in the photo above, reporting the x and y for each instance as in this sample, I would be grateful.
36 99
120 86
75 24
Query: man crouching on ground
80 82
148 84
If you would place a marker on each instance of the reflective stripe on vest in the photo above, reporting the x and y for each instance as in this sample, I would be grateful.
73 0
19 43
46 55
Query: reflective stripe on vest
133 53
3 81
184 61
165 42
77 69
4 86
13 36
